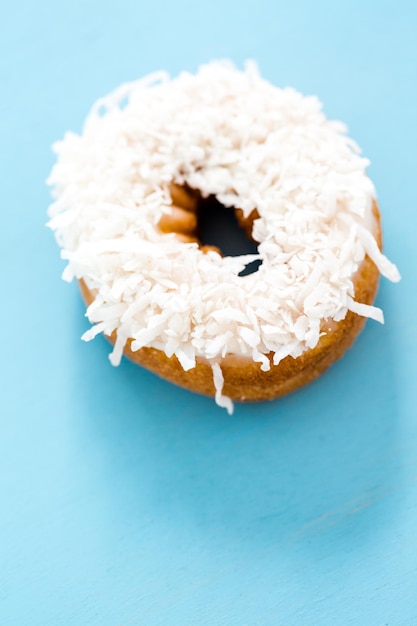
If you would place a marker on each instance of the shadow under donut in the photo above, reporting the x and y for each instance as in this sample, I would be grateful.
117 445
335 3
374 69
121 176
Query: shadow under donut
284 476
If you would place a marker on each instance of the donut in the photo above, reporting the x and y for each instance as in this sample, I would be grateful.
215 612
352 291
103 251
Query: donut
128 194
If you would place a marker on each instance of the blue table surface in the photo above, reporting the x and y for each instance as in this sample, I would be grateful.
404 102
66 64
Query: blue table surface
127 501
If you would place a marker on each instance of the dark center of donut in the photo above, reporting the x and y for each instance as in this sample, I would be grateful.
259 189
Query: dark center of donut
218 226
210 224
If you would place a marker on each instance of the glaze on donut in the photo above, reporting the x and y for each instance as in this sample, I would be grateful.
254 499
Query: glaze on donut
127 192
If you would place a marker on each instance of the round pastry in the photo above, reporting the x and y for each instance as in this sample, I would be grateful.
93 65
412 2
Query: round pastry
128 193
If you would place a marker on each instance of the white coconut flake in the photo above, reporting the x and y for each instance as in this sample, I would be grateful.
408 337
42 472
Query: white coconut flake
387 269
93 331
366 310
233 135
218 381
116 355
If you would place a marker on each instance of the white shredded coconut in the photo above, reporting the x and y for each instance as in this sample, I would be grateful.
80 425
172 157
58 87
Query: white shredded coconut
218 380
252 145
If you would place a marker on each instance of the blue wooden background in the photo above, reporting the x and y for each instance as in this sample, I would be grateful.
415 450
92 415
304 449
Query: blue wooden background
125 501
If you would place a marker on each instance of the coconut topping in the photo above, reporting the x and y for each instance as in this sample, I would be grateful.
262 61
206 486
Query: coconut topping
233 135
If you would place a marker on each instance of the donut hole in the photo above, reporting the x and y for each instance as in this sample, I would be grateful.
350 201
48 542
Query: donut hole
212 225
218 226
